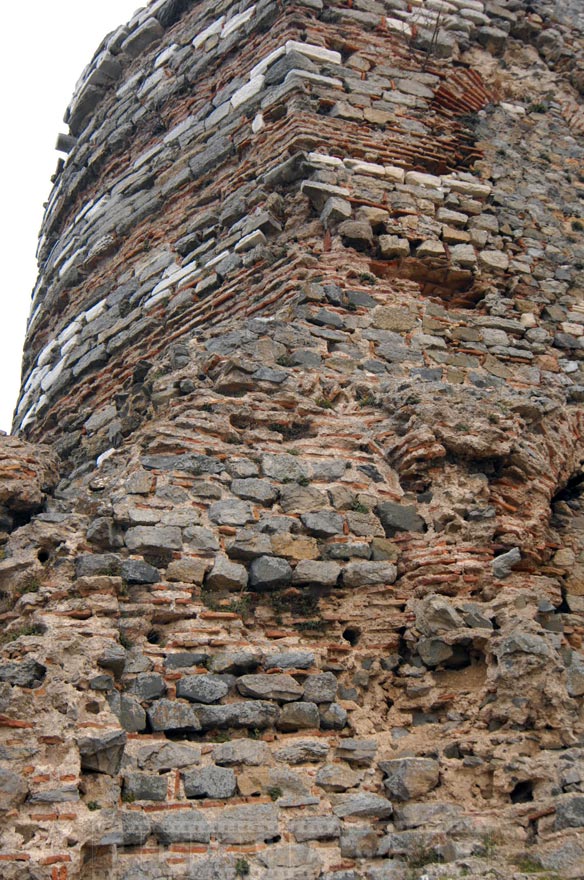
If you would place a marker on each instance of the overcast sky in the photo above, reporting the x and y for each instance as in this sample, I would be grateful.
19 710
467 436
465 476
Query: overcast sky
46 45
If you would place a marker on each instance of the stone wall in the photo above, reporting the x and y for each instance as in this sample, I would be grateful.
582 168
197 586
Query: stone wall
302 597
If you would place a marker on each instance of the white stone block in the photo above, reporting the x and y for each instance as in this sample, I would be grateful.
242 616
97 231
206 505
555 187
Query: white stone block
46 353
95 311
165 56
214 261
513 109
69 345
96 209
315 53
69 331
266 62
258 123
52 376
416 178
324 159
253 87
248 242
399 27
236 22
365 167
214 28
395 173
467 187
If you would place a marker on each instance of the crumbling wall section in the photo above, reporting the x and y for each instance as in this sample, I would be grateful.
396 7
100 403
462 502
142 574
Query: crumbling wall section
301 597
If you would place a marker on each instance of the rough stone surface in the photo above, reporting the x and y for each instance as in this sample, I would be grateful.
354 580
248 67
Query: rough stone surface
202 688
408 778
211 782
305 356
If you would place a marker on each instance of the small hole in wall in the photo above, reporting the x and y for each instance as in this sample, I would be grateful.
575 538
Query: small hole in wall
522 793
154 637
43 556
352 635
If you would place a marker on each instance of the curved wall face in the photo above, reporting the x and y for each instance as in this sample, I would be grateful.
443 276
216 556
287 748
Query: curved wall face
307 602
206 143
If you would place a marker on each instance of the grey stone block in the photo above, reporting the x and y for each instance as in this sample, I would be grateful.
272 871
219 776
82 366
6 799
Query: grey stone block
333 717
291 862
284 467
96 564
276 686
182 826
368 574
185 659
324 574
409 778
337 777
359 752
363 805
320 688
158 757
102 753
145 787
250 714
145 538
231 513
211 782
226 575
214 153
503 564
249 752
359 843
570 813
201 540
129 711
261 491
136 571
13 789
269 573
399 518
144 36
247 824
202 688
188 462
148 686
235 662
323 523
299 716
290 660
134 830
316 828
26 673
173 715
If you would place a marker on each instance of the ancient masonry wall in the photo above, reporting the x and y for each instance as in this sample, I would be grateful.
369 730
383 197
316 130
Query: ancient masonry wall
294 588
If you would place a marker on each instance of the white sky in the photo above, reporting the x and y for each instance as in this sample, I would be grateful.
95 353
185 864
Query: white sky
46 45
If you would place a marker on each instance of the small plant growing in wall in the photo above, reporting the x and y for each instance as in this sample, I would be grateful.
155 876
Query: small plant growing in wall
242 868
275 792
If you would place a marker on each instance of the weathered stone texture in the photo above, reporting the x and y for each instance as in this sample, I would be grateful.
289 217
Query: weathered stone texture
294 587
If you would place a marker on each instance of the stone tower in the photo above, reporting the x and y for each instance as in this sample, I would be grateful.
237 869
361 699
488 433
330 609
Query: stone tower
292 583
